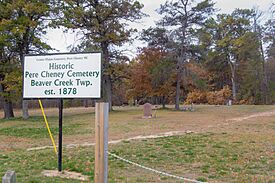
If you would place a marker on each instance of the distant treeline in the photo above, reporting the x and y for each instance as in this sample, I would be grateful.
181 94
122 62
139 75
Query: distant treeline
52 103
194 53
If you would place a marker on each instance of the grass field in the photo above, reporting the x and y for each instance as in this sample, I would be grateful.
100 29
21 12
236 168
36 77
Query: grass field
220 149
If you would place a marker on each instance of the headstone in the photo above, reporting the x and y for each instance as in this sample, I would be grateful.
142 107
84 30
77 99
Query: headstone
147 110
155 111
9 177
131 102
189 108
192 109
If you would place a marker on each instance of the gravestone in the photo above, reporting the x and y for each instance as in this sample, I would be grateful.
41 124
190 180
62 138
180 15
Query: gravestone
189 108
147 110
155 113
9 177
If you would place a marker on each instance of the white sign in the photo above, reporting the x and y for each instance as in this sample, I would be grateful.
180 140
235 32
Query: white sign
62 76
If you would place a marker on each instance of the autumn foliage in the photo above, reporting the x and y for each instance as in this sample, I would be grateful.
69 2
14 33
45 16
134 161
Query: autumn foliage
219 97
213 97
196 97
151 75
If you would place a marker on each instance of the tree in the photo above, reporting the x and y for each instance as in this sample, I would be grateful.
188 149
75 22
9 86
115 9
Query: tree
4 58
269 33
7 70
162 79
10 86
161 48
233 55
260 31
9 75
140 80
184 17
230 35
26 26
271 77
151 76
269 39
157 37
231 29
103 22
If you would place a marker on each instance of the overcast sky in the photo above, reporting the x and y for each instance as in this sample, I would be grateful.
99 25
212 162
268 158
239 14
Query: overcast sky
60 41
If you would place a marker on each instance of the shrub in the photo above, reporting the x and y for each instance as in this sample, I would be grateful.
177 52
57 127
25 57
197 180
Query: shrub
197 97
214 97
219 97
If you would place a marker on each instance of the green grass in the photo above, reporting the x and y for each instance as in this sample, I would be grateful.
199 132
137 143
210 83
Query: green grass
35 127
243 152
36 133
208 156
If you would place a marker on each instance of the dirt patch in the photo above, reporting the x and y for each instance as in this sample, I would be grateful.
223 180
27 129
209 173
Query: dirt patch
10 143
126 126
65 174
140 137
224 125
262 114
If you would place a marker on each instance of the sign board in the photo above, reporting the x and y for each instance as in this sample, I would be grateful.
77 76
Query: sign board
62 76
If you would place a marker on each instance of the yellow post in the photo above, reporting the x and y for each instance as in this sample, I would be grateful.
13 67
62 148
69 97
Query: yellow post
47 125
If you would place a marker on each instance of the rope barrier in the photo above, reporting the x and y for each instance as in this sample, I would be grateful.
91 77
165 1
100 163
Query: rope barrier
153 170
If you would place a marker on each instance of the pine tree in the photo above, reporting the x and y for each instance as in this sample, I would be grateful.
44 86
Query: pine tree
184 17
103 22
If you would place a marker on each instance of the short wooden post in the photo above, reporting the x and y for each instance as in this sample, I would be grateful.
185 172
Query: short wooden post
9 177
101 142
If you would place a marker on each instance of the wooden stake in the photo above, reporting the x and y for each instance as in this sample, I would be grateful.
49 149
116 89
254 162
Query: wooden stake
101 142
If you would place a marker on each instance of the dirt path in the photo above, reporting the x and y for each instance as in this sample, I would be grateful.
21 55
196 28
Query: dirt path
139 137
165 134
261 114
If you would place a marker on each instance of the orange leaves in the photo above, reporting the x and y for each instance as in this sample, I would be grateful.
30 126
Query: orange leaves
214 97
140 81
197 97
148 77
197 68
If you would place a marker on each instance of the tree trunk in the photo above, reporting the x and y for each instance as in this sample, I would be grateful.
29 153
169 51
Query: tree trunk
8 108
25 109
107 85
265 81
177 102
181 60
163 101
234 93
233 79
86 103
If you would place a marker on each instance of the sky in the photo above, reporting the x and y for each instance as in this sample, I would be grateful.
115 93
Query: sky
60 41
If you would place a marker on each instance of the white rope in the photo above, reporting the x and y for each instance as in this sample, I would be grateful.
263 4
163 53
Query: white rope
153 170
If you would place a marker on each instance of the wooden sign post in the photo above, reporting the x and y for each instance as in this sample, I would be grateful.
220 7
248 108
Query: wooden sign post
101 142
